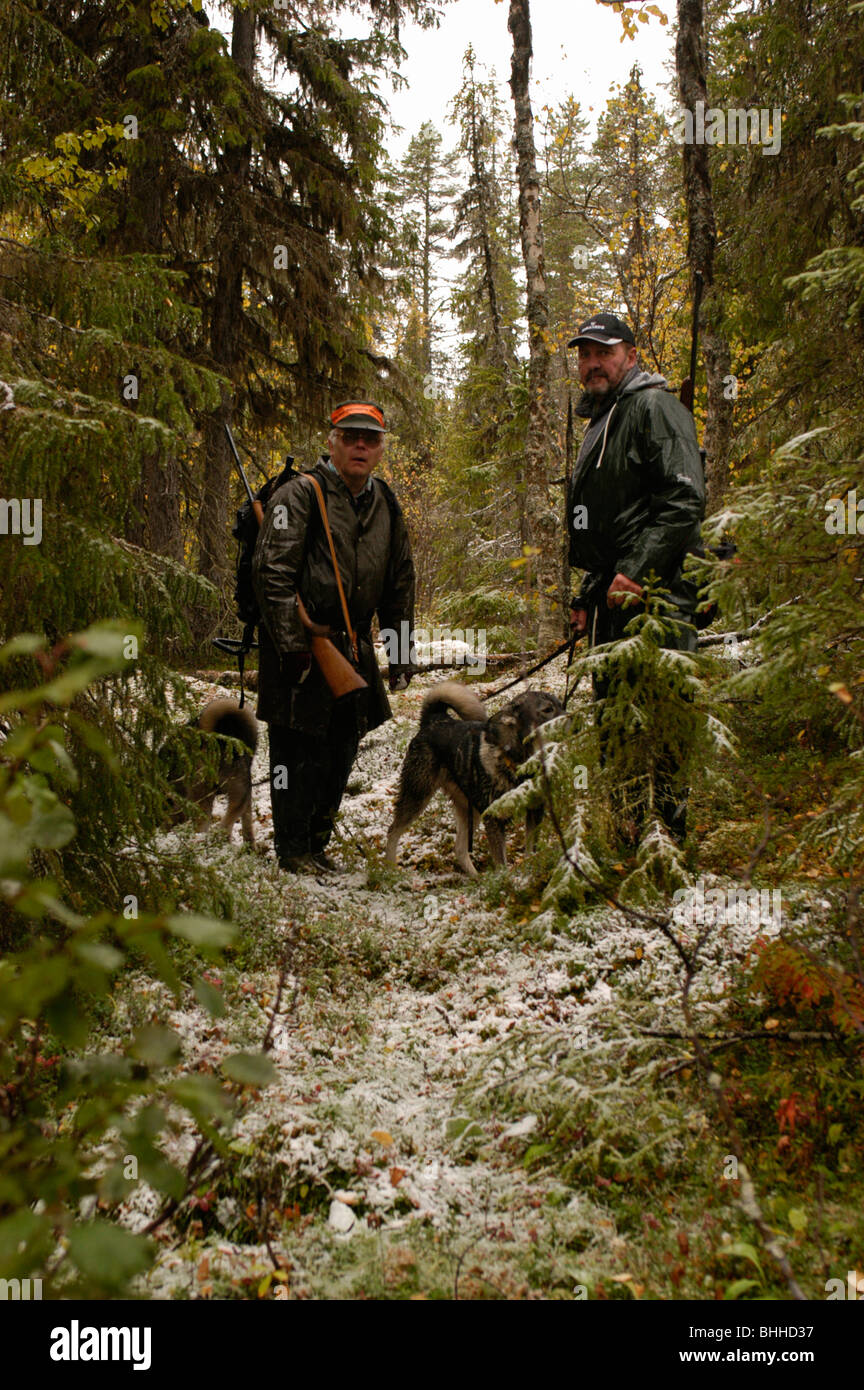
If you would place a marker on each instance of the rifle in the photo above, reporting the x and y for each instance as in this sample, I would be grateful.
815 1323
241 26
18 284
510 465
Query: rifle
340 675
688 385
705 617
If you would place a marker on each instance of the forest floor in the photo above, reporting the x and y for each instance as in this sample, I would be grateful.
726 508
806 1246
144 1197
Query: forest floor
467 1104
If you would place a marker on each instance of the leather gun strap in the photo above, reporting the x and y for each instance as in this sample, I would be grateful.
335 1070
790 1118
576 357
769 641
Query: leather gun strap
323 510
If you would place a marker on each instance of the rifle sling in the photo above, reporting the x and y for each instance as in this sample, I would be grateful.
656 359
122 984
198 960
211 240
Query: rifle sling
322 507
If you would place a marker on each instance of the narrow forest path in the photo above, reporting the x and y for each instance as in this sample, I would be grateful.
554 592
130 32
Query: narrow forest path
447 1061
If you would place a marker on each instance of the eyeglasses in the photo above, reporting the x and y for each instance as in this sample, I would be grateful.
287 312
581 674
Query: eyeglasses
354 436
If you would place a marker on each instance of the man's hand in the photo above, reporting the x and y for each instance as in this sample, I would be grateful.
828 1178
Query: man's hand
578 621
295 666
619 588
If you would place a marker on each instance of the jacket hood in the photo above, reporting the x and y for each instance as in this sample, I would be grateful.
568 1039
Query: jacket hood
638 380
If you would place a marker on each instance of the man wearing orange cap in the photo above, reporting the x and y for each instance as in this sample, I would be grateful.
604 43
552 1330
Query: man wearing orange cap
314 739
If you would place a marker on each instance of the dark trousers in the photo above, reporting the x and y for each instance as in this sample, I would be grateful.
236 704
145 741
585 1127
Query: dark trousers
670 793
308 776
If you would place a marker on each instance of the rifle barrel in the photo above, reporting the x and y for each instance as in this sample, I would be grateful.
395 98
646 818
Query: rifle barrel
240 469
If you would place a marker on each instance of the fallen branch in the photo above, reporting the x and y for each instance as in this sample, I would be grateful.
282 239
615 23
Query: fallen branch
738 1037
718 639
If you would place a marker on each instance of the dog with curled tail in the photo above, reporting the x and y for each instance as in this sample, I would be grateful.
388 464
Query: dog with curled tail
194 778
472 758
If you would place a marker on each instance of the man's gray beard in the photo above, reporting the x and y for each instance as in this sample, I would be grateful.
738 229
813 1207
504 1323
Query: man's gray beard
609 385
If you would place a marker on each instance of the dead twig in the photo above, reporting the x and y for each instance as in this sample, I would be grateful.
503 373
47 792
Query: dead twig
718 639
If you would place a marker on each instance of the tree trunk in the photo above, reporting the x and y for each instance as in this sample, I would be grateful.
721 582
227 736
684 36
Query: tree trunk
718 420
225 330
154 521
702 242
154 514
427 271
540 511
483 219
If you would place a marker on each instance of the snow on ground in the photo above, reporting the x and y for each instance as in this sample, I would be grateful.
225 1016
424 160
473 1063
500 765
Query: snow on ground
414 997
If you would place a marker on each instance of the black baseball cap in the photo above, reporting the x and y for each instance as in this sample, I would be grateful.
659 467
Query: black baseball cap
604 328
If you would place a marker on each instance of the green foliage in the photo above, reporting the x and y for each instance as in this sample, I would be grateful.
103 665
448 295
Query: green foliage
617 201
79 1129
654 712
806 676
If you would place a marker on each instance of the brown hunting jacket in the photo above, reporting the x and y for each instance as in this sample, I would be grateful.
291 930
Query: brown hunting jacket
292 555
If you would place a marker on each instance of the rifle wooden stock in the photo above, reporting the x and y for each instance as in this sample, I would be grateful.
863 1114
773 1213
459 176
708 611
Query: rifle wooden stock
337 671
340 675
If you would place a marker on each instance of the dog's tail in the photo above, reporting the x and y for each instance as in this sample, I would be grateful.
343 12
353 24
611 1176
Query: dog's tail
450 695
226 717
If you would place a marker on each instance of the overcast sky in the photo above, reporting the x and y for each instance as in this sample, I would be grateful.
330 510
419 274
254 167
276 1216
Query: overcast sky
577 49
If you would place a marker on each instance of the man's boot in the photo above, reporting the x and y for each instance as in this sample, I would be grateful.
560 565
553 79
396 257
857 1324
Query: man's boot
293 863
323 861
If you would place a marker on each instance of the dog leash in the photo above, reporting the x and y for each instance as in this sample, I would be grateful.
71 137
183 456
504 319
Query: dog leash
593 642
523 675
570 650
233 647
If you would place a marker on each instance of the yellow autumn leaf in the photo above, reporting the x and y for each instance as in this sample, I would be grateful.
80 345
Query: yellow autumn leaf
838 688
381 1136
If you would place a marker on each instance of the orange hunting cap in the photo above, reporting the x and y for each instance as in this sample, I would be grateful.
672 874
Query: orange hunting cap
358 415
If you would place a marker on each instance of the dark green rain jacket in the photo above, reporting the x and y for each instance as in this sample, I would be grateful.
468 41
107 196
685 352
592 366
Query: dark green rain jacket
636 498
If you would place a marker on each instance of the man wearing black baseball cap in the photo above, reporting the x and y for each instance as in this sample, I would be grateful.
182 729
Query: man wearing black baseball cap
635 502
314 738
604 328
